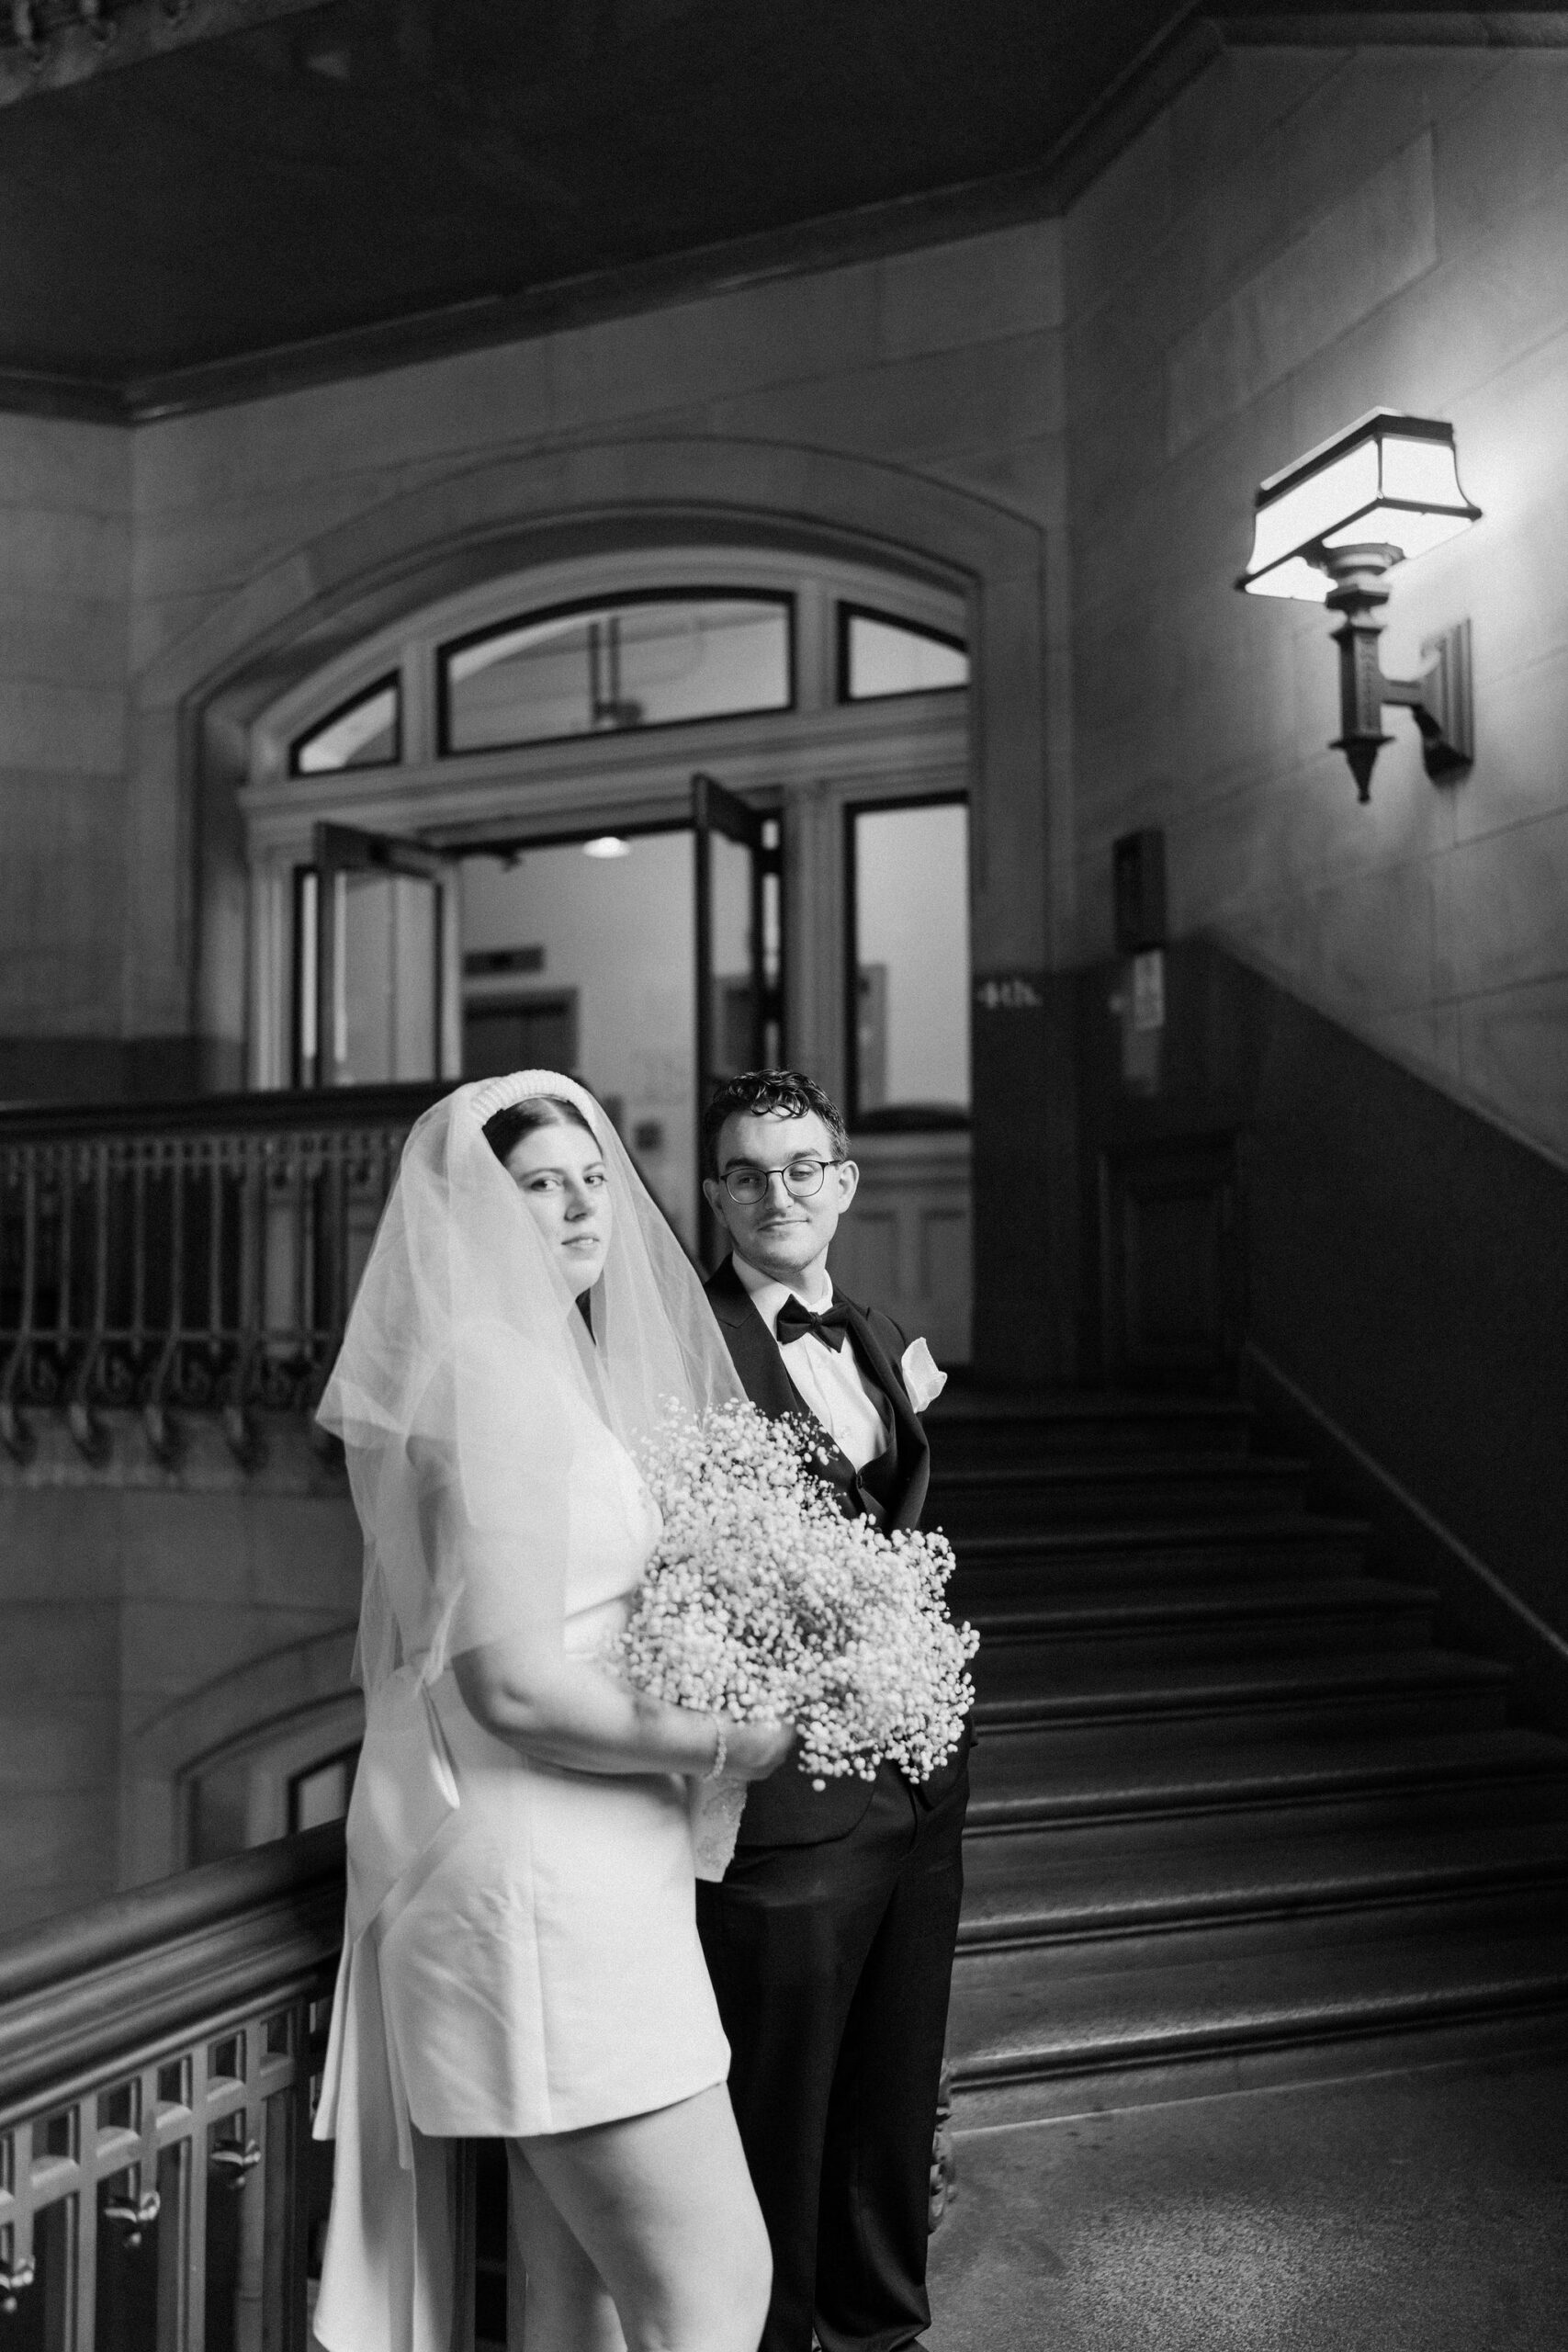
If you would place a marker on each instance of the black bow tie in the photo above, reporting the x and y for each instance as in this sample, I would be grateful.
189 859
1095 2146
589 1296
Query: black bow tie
795 1320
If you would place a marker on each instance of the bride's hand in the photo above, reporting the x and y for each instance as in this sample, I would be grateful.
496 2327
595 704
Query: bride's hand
753 1750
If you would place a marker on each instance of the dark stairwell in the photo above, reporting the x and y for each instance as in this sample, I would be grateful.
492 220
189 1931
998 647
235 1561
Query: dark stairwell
1233 1795
1273 1770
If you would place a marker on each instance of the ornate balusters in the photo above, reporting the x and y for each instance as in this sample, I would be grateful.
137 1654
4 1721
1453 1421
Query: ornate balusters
303 1239
65 1258
250 1178
84 1426
163 1431
21 1178
177 2187
184 1268
156 2065
19 2274
138 1325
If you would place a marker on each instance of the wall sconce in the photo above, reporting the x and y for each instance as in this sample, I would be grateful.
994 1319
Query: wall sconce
1329 528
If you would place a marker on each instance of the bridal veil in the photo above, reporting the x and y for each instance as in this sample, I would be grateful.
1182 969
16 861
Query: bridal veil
458 1395
461 1352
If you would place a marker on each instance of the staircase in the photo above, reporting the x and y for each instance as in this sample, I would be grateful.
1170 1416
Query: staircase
1235 1809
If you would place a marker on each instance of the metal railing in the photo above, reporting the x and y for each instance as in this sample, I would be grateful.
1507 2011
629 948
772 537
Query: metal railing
159 2188
198 1255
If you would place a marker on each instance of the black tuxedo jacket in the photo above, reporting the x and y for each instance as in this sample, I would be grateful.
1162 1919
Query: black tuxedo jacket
786 1810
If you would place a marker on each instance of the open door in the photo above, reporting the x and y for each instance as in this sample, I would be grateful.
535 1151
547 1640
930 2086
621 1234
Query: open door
738 945
376 996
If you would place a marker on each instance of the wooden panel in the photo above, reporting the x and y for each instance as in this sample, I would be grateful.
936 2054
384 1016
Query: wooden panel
868 1254
906 1244
1171 1272
945 1279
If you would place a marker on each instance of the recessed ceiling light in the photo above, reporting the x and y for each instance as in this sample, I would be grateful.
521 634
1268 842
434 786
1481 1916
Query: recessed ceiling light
607 845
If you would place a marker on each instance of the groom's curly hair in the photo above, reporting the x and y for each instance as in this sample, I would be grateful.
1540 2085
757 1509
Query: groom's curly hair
756 1092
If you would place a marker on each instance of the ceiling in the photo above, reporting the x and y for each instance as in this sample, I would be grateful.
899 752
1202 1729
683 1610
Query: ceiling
238 193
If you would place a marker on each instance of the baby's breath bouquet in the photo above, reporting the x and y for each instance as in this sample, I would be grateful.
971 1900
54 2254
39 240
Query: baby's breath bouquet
763 1602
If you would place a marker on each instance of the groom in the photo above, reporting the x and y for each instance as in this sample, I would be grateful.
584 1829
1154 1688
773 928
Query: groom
830 1937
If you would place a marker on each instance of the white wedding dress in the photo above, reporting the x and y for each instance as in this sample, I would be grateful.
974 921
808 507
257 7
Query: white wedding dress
535 1966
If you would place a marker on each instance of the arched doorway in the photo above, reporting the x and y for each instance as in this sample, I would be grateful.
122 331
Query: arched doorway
196 702
649 813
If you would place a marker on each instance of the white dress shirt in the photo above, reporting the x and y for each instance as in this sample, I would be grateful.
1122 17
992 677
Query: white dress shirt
830 1379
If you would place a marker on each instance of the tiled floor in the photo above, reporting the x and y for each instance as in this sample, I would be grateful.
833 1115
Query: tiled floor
1422 2212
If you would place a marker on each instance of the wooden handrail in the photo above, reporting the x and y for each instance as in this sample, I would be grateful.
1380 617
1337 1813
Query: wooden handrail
273 1110
79 1992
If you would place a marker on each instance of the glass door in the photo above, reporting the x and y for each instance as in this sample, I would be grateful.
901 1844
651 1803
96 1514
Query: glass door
645 963
577 957
375 951
738 932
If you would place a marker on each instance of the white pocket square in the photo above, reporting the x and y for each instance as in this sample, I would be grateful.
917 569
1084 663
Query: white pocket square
920 1376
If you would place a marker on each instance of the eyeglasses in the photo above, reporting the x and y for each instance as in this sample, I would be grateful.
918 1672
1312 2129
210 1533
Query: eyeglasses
802 1178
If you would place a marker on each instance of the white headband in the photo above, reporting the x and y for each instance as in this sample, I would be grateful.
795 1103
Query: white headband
490 1095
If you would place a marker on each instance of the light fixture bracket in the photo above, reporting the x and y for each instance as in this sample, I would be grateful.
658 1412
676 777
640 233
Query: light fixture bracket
1438 700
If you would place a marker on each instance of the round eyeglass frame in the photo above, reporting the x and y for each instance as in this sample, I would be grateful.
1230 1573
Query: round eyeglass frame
757 1180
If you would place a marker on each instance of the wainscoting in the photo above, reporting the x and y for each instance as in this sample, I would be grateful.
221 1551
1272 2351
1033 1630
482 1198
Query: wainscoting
1171 1273
1259 1186
906 1245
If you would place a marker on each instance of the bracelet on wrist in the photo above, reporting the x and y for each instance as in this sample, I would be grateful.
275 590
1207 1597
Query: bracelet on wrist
720 1747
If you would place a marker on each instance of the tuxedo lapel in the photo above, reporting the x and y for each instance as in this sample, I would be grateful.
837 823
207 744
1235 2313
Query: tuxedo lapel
752 1347
755 1355
909 1437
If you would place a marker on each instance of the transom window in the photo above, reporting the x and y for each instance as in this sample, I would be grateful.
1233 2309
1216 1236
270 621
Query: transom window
658 812
879 657
647 660
478 678
366 732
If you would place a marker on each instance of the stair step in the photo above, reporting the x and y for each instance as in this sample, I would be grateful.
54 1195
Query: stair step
1130 1956
970 1427
1020 1497
1255 1547
1048 1886
1393 1682
1228 1796
1063 1615
1021 2015
1019 1644
1022 1780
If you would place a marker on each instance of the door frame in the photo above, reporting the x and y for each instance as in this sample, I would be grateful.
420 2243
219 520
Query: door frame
711 807
320 939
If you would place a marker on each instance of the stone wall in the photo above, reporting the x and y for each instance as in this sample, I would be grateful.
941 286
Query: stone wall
945 364
1303 233
939 367
1303 236
149 1617
64 611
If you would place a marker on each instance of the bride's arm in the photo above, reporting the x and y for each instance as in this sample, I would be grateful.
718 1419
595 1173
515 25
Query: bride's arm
561 1710
503 1537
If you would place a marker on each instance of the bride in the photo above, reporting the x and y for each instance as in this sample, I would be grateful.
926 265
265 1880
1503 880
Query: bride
521 1957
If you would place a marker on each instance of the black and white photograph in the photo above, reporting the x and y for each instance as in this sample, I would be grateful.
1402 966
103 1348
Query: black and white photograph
783 1176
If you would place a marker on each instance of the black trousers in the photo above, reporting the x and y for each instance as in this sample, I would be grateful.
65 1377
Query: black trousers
832 1965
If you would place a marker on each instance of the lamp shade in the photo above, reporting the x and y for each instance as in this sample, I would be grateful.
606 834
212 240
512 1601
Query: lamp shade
1387 480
